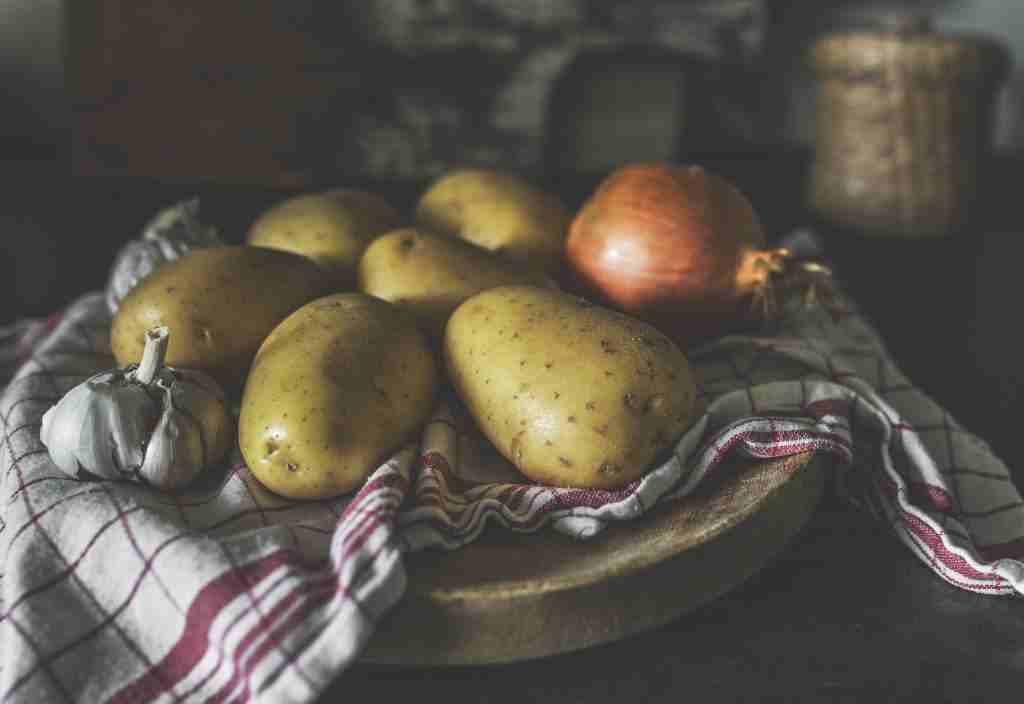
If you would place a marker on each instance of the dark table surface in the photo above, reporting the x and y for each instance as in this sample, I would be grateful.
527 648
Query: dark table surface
846 613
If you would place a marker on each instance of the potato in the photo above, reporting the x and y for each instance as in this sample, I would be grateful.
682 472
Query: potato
500 212
332 228
430 275
219 303
571 393
335 389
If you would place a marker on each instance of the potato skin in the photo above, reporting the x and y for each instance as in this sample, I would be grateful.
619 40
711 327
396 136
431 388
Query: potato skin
571 393
500 212
335 389
331 227
219 303
430 274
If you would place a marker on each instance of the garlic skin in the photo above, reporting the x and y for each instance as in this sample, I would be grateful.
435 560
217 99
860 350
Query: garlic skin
80 430
147 423
170 234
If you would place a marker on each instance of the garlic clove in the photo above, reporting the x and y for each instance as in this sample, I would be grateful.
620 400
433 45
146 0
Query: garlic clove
93 440
200 398
92 449
99 426
175 454
130 414
61 427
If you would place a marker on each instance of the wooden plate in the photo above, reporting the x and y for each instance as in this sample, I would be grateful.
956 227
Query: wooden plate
510 597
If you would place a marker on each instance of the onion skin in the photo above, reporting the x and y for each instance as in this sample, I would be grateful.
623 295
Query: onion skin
676 245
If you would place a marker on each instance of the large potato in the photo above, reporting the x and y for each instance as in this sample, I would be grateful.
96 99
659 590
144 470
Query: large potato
571 393
220 303
500 212
430 275
337 387
332 228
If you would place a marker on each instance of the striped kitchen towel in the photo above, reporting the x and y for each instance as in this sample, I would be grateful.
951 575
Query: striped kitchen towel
114 592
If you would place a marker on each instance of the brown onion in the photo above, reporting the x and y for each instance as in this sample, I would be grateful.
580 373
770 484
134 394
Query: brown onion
676 245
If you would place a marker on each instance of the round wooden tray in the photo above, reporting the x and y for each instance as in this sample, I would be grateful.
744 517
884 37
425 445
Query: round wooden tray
510 597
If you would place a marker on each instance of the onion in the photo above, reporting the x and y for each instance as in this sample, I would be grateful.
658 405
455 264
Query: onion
678 246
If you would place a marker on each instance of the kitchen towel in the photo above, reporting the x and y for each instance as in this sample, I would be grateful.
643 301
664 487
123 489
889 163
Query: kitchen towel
113 592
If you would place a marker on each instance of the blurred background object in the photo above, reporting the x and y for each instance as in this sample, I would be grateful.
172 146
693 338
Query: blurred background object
35 109
794 26
167 50
401 89
903 126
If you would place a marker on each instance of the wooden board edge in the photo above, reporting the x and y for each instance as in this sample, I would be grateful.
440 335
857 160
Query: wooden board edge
426 632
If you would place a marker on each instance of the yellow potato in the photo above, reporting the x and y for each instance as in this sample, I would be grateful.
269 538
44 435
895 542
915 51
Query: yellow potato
219 303
572 394
336 388
332 228
430 275
500 212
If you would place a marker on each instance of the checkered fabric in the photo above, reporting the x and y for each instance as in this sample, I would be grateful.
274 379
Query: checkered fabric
226 592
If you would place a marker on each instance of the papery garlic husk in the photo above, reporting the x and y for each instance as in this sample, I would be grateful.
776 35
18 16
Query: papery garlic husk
170 234
147 423
100 427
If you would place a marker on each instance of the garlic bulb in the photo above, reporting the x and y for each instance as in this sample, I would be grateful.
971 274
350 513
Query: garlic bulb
147 422
169 235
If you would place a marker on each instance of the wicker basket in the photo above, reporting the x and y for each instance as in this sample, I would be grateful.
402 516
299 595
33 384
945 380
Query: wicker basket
903 123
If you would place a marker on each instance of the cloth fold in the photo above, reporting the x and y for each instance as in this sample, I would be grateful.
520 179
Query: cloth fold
113 592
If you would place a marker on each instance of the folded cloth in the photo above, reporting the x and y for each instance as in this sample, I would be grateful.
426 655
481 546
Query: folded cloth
114 592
